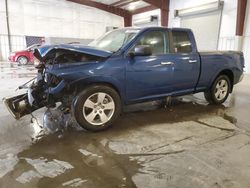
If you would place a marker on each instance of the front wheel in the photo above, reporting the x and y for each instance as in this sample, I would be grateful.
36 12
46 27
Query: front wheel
97 107
22 60
219 91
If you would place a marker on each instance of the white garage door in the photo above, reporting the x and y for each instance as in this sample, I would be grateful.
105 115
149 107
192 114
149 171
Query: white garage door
206 27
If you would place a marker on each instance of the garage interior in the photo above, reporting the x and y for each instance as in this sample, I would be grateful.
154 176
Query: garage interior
176 142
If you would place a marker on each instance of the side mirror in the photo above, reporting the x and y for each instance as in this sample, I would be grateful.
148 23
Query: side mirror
141 50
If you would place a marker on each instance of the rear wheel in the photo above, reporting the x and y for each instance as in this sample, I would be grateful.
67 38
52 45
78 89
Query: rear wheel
97 107
219 91
22 60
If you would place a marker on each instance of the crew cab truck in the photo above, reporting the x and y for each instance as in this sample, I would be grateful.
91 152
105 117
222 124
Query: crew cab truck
126 66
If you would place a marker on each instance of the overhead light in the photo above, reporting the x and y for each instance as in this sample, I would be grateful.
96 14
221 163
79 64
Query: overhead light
131 6
209 7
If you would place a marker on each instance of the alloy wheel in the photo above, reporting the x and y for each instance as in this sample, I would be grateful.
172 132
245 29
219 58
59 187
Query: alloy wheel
99 108
221 89
23 60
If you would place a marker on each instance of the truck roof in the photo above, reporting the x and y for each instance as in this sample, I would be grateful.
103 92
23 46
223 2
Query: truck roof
156 27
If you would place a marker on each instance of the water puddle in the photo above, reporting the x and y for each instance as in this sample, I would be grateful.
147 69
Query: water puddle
65 155
75 182
7 164
26 177
48 168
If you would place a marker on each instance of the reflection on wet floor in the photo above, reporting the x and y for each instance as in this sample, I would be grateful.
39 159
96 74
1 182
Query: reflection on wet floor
123 156
9 72
184 143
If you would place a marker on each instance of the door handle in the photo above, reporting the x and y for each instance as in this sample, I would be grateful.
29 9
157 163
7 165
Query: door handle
192 61
167 63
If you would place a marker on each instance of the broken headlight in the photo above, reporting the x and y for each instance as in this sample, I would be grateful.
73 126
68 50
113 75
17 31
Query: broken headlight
51 79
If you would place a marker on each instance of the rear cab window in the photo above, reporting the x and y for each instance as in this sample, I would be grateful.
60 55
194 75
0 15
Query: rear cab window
181 42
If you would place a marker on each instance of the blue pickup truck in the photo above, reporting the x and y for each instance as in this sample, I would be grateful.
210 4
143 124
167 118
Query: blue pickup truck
125 66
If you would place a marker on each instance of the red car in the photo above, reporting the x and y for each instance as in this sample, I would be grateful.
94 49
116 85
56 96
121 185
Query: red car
25 56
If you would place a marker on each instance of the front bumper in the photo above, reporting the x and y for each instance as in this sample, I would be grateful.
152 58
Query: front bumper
36 97
19 106
45 90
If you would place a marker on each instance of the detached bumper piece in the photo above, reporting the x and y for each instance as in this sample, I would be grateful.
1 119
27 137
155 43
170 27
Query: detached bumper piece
19 106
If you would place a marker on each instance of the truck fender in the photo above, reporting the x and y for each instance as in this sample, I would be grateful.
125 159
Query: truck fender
115 84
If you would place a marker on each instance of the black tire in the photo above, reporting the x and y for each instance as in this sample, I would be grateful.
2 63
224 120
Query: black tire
210 94
79 110
22 60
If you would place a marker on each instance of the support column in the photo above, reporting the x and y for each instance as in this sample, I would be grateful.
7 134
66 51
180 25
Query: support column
164 17
127 21
163 5
164 12
241 12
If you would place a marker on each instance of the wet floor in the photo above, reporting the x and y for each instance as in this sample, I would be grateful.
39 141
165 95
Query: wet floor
185 143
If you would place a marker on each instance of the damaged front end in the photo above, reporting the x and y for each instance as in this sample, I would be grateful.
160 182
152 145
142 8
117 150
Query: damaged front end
36 96
47 88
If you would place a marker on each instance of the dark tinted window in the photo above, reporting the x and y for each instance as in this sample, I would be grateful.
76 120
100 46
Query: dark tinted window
157 40
181 42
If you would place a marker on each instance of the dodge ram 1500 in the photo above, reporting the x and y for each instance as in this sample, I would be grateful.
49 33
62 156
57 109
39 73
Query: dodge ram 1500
126 66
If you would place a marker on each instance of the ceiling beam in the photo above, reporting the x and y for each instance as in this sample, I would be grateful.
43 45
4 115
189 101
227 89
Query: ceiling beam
144 9
117 3
114 8
104 7
156 3
122 3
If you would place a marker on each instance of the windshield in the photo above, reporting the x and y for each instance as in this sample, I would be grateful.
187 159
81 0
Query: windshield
114 40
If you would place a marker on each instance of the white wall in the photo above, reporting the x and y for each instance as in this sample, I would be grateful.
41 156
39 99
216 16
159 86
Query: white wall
228 21
180 4
18 43
141 16
246 39
52 18
56 18
227 38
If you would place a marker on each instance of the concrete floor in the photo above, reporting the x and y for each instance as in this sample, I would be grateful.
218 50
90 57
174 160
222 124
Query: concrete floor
187 144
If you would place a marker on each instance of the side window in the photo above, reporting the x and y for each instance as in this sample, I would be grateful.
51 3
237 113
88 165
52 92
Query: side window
181 42
157 40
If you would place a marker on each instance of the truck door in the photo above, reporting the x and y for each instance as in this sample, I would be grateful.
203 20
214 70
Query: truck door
186 68
150 76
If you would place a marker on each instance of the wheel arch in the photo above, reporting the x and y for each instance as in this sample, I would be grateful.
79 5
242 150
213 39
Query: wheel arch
82 84
22 56
108 84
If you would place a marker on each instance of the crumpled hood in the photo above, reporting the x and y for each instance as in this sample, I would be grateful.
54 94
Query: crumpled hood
42 52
